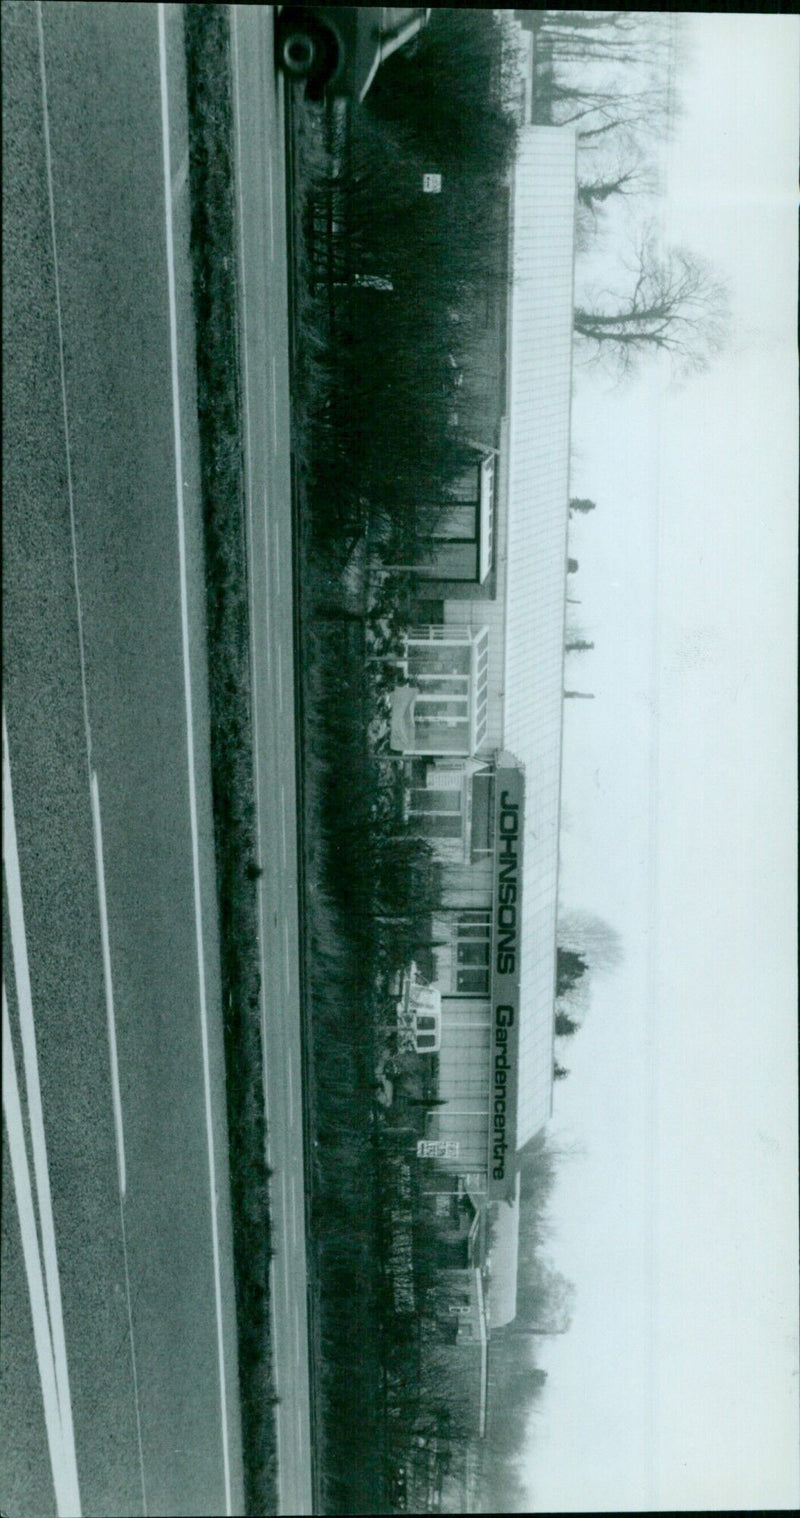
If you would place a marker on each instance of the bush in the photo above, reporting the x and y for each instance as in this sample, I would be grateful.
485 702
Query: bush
386 357
212 246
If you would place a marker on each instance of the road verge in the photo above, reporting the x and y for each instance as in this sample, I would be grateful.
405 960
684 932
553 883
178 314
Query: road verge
206 39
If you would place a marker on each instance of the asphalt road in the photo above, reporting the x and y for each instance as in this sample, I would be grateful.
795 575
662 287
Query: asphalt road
263 277
119 1386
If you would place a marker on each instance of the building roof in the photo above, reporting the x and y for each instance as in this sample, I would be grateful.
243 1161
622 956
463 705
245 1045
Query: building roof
484 1354
539 401
503 1260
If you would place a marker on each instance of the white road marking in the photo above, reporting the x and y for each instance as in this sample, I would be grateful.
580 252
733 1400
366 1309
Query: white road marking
290 1087
296 1332
283 1209
298 1421
286 952
267 610
187 683
19 953
180 176
117 1103
294 1220
271 210
265 1082
62 1461
62 371
283 825
133 1352
88 734
276 531
285 1240
112 1024
274 406
280 677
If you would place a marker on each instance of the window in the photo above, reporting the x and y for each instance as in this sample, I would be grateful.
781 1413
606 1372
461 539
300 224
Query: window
429 658
431 799
455 529
467 486
473 952
445 712
458 522
481 841
437 813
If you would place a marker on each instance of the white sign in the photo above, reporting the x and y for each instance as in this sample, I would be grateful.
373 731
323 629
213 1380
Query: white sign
437 1149
432 184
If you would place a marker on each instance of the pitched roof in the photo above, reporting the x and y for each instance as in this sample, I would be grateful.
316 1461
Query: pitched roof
503 1260
540 384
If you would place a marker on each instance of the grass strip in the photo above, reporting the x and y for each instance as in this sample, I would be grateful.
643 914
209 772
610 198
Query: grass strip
207 47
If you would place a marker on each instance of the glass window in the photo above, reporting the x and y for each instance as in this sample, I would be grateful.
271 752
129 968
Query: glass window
473 944
435 659
459 521
435 801
425 710
443 685
473 952
472 982
467 486
482 815
453 561
438 825
440 738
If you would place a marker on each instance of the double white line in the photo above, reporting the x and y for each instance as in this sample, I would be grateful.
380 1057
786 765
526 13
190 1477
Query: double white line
38 1246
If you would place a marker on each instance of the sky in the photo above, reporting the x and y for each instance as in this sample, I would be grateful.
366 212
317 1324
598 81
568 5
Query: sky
675 1210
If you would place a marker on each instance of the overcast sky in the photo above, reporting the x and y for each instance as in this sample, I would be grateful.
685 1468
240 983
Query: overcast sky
676 1216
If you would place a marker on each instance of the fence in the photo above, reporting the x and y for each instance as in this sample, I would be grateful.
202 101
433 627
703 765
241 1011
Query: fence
326 232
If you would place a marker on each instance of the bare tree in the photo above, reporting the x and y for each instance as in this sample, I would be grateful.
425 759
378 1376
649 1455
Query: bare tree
625 173
631 37
597 111
579 503
675 305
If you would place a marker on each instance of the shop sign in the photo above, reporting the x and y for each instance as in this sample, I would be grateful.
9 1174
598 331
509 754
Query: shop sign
437 1149
506 949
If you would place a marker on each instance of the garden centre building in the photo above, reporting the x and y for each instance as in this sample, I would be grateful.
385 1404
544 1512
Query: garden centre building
477 714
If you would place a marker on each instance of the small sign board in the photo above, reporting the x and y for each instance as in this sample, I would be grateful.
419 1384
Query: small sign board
432 184
437 1149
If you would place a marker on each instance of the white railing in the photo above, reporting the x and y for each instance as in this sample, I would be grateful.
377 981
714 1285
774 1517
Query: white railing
439 634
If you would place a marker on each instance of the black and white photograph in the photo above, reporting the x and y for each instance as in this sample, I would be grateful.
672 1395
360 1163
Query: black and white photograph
399 734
